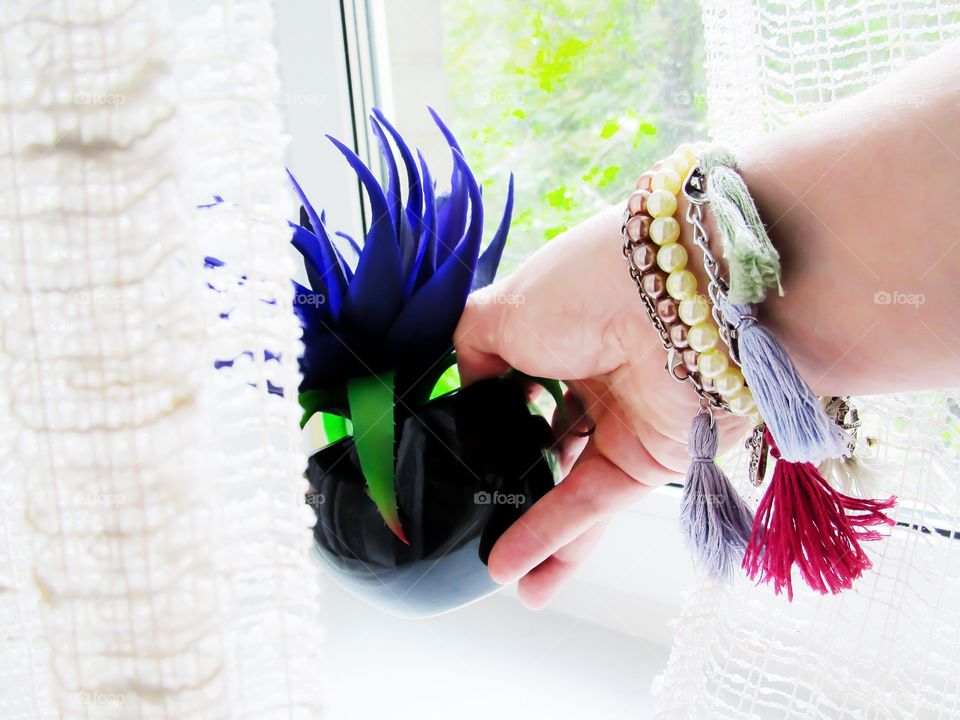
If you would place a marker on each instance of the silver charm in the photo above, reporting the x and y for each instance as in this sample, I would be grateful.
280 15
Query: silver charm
759 449
842 411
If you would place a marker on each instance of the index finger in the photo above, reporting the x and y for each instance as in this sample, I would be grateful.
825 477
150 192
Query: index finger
476 341
594 490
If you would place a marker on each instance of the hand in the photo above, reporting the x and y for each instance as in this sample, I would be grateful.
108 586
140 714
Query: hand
825 192
572 312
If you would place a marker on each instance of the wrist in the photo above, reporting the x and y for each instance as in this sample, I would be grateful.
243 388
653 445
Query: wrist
827 308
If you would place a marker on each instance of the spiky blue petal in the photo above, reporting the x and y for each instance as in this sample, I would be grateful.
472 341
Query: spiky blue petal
451 216
425 326
323 269
375 294
405 288
426 261
312 308
348 253
327 261
452 207
490 259
451 140
348 250
393 176
414 210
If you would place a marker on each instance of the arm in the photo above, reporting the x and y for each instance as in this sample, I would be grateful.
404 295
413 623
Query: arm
861 199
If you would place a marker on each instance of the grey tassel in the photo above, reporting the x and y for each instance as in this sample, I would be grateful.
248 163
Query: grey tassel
793 414
714 521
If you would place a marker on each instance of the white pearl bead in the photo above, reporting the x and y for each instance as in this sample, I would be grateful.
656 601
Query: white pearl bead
712 363
666 179
681 284
664 230
672 257
661 203
741 403
694 310
702 336
728 382
688 151
678 163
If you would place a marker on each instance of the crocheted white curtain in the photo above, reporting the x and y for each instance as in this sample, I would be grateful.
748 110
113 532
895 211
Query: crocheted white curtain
153 554
890 648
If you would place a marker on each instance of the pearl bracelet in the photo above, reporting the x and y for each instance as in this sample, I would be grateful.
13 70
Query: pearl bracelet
682 317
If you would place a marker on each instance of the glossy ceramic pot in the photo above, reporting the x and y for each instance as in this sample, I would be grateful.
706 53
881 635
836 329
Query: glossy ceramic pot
468 465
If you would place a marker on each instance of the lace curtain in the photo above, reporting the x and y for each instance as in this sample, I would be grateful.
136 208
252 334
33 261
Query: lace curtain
890 648
153 559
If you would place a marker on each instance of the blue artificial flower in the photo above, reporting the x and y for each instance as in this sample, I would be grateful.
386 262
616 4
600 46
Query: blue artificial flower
378 320
394 302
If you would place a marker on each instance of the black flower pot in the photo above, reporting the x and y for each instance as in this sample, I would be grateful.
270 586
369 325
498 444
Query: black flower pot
468 465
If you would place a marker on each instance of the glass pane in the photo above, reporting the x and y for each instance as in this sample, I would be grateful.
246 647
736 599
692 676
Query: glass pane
576 97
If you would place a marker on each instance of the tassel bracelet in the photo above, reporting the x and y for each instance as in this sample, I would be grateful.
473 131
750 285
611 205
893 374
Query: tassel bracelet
802 521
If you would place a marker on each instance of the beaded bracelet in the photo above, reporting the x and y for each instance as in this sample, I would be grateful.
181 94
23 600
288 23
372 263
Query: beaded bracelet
801 521
680 315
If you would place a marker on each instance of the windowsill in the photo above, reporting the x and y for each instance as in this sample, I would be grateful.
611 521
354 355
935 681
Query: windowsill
491 659
634 580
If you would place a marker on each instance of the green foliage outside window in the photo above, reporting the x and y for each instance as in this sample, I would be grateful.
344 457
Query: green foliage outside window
576 97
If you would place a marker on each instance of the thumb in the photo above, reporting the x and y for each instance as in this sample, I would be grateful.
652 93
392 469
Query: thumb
479 336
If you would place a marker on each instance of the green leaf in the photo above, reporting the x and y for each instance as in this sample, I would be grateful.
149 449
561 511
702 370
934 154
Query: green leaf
335 427
609 176
609 129
556 392
371 401
422 390
446 383
560 198
332 400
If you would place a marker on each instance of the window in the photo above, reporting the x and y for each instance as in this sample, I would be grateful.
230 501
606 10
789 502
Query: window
576 104
575 97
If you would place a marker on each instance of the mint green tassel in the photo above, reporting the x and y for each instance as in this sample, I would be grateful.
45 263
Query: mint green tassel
752 259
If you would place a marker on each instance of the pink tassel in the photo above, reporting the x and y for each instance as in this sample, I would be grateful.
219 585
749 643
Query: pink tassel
803 521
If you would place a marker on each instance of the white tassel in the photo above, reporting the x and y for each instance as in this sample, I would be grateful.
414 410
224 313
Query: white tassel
862 474
857 476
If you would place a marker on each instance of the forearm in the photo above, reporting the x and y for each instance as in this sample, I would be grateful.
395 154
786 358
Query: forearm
863 202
